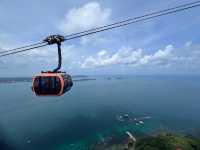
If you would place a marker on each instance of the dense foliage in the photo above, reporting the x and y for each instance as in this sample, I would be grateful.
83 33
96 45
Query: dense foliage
168 142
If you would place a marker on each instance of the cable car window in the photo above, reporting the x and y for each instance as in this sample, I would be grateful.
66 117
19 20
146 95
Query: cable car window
47 85
36 83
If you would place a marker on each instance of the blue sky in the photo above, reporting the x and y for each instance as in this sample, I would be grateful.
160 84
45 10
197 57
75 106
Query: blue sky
166 45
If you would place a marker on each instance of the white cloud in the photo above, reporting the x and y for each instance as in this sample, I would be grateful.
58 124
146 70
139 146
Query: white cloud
171 59
127 56
159 57
88 16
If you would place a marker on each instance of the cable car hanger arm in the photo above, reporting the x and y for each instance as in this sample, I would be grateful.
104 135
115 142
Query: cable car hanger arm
56 39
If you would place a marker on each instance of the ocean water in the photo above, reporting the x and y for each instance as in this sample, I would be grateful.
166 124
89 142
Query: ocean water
87 114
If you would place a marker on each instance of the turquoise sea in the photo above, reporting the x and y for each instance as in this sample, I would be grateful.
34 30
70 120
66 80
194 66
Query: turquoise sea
87 114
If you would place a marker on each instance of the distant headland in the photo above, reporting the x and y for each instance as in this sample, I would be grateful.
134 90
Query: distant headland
29 79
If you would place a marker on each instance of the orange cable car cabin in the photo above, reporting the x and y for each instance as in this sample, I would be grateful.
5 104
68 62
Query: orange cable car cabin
52 83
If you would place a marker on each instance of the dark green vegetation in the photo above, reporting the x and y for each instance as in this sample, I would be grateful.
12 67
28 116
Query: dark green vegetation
168 142
160 142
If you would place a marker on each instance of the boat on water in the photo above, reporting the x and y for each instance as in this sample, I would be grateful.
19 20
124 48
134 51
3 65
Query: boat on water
129 119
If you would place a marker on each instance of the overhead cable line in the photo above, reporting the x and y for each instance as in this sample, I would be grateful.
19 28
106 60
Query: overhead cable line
117 25
27 46
107 27
23 50
131 19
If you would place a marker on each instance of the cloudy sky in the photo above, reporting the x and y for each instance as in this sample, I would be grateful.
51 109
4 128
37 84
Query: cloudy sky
166 45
